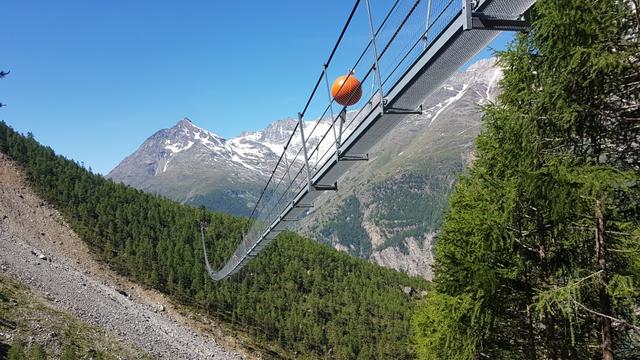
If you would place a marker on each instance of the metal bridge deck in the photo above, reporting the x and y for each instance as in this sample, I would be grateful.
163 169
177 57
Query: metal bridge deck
458 38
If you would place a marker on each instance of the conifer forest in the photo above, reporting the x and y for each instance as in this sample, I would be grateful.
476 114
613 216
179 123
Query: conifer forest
539 255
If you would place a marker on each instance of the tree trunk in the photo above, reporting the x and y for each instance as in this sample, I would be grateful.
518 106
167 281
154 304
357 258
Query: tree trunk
605 301
531 352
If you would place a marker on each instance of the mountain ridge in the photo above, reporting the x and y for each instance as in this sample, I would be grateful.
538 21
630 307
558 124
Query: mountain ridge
196 166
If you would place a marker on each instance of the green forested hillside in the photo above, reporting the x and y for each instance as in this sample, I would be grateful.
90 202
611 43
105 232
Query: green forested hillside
539 256
310 300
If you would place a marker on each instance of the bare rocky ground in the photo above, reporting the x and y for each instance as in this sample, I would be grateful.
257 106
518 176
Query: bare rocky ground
38 249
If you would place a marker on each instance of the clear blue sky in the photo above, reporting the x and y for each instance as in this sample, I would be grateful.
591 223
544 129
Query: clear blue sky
93 79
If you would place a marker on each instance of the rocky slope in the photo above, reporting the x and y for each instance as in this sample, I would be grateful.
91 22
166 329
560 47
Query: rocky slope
387 210
29 319
38 249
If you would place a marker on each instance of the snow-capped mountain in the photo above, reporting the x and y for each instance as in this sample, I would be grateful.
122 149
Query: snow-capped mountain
387 210
194 165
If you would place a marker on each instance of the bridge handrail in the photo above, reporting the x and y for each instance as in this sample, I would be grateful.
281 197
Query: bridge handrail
279 197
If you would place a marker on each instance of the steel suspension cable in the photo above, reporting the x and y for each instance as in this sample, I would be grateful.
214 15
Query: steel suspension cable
364 52
333 51
404 21
317 148
380 27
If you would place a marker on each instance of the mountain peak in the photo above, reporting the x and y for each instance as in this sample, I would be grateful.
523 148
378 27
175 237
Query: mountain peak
184 122
484 65
188 128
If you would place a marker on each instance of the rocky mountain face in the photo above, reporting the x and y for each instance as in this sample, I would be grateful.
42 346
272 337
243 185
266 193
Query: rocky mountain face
388 209
195 166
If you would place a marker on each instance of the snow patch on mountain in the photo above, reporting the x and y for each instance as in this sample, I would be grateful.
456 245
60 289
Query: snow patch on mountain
176 148
444 105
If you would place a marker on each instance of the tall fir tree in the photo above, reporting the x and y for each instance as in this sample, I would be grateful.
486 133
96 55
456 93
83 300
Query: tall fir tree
538 257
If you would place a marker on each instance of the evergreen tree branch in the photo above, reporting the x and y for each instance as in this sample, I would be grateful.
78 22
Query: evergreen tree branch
636 328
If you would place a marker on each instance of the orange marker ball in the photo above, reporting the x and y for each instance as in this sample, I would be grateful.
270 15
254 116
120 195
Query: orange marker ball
346 90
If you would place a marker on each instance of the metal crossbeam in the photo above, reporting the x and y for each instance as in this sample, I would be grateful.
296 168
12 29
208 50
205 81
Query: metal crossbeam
364 157
483 22
480 21
418 111
333 187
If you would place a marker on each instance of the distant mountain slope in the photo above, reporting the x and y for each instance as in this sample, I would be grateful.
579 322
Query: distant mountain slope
387 209
195 166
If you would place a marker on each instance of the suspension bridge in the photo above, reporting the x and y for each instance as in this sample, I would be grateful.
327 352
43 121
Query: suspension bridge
413 47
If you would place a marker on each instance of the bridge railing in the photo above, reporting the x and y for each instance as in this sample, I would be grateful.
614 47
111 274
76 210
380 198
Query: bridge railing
387 37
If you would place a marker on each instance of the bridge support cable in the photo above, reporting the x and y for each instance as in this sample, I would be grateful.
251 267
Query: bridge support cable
304 150
404 74
376 63
333 51
342 117
210 270
329 98
468 7
426 31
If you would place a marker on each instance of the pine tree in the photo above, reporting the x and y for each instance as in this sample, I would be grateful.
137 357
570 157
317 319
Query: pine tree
538 257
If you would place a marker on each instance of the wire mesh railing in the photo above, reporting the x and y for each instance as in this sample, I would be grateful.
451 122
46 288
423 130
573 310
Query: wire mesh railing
397 34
